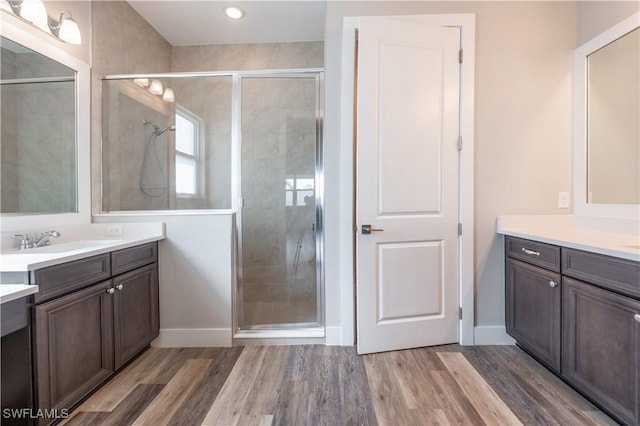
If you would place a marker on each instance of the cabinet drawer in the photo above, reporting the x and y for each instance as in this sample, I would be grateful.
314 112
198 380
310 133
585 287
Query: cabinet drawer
620 275
533 252
133 257
58 280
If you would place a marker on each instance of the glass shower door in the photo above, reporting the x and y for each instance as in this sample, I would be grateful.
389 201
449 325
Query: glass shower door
279 266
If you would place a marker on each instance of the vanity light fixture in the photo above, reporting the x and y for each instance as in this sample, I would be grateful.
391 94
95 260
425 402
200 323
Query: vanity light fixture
234 12
64 29
168 95
156 87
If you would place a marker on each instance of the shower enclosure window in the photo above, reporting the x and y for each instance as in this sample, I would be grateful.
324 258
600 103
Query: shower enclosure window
248 142
188 127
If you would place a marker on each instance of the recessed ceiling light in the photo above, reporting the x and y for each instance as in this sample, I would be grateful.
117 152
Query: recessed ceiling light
234 12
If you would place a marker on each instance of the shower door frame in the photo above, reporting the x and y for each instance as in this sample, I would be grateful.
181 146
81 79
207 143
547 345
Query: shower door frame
310 329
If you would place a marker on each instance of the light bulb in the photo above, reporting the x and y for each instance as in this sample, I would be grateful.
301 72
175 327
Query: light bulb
234 12
168 95
156 87
35 12
69 31
142 82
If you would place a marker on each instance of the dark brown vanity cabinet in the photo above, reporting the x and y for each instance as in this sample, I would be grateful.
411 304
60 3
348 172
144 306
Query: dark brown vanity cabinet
601 330
73 343
83 336
15 360
135 314
586 327
533 298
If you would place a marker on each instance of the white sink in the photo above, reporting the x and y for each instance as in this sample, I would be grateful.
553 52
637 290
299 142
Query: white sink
66 247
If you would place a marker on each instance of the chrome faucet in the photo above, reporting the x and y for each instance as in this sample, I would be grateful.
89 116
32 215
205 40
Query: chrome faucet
27 241
43 239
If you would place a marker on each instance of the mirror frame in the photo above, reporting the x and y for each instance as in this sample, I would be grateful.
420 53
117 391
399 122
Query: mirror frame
33 38
580 205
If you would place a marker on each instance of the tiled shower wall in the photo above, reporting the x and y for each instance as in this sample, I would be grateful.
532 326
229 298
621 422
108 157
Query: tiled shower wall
208 98
122 43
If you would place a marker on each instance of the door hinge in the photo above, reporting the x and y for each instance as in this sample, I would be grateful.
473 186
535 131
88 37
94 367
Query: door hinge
459 143
459 229
460 55
459 312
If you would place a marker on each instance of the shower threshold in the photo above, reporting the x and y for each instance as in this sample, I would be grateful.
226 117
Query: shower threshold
288 331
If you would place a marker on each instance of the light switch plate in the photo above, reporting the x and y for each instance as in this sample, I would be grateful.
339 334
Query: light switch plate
563 200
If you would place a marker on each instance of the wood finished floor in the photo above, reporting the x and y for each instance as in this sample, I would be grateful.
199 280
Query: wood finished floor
325 385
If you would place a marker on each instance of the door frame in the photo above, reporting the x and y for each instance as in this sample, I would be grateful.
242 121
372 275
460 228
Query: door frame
466 265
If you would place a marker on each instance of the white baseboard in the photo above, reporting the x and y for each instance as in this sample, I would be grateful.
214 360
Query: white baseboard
193 338
491 335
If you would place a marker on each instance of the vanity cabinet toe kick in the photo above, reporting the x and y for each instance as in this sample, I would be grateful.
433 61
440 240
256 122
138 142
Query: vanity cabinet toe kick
90 317
578 313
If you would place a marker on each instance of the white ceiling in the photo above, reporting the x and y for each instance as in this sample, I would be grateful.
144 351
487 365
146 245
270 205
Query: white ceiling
187 23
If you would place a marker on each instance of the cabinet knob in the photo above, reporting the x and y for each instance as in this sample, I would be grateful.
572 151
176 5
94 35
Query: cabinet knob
553 284
111 290
119 286
636 317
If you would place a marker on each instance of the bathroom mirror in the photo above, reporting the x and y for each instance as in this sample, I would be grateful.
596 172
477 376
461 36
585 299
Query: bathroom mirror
45 104
613 123
606 126
38 135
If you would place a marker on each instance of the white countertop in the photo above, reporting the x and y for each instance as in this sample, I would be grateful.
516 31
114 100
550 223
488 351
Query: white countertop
9 292
78 244
566 231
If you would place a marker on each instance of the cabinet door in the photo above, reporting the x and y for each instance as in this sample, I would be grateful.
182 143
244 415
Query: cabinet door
533 310
601 347
73 346
136 319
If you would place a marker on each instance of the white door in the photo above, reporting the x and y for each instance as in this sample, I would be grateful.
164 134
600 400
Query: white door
407 185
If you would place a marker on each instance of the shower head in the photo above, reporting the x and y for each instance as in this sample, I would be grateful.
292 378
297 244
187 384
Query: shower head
171 127
157 130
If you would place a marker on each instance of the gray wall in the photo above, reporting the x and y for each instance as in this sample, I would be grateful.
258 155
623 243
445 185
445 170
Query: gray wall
596 16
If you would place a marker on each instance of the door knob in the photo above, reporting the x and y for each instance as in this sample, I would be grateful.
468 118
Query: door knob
119 286
111 290
553 284
367 229
636 317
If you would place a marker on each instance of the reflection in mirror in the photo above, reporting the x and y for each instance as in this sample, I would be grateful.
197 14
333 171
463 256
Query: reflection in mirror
38 133
613 126
163 152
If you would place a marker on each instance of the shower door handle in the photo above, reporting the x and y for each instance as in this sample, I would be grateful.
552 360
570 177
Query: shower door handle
367 229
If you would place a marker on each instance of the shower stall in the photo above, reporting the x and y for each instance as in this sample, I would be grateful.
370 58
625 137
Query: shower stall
246 142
